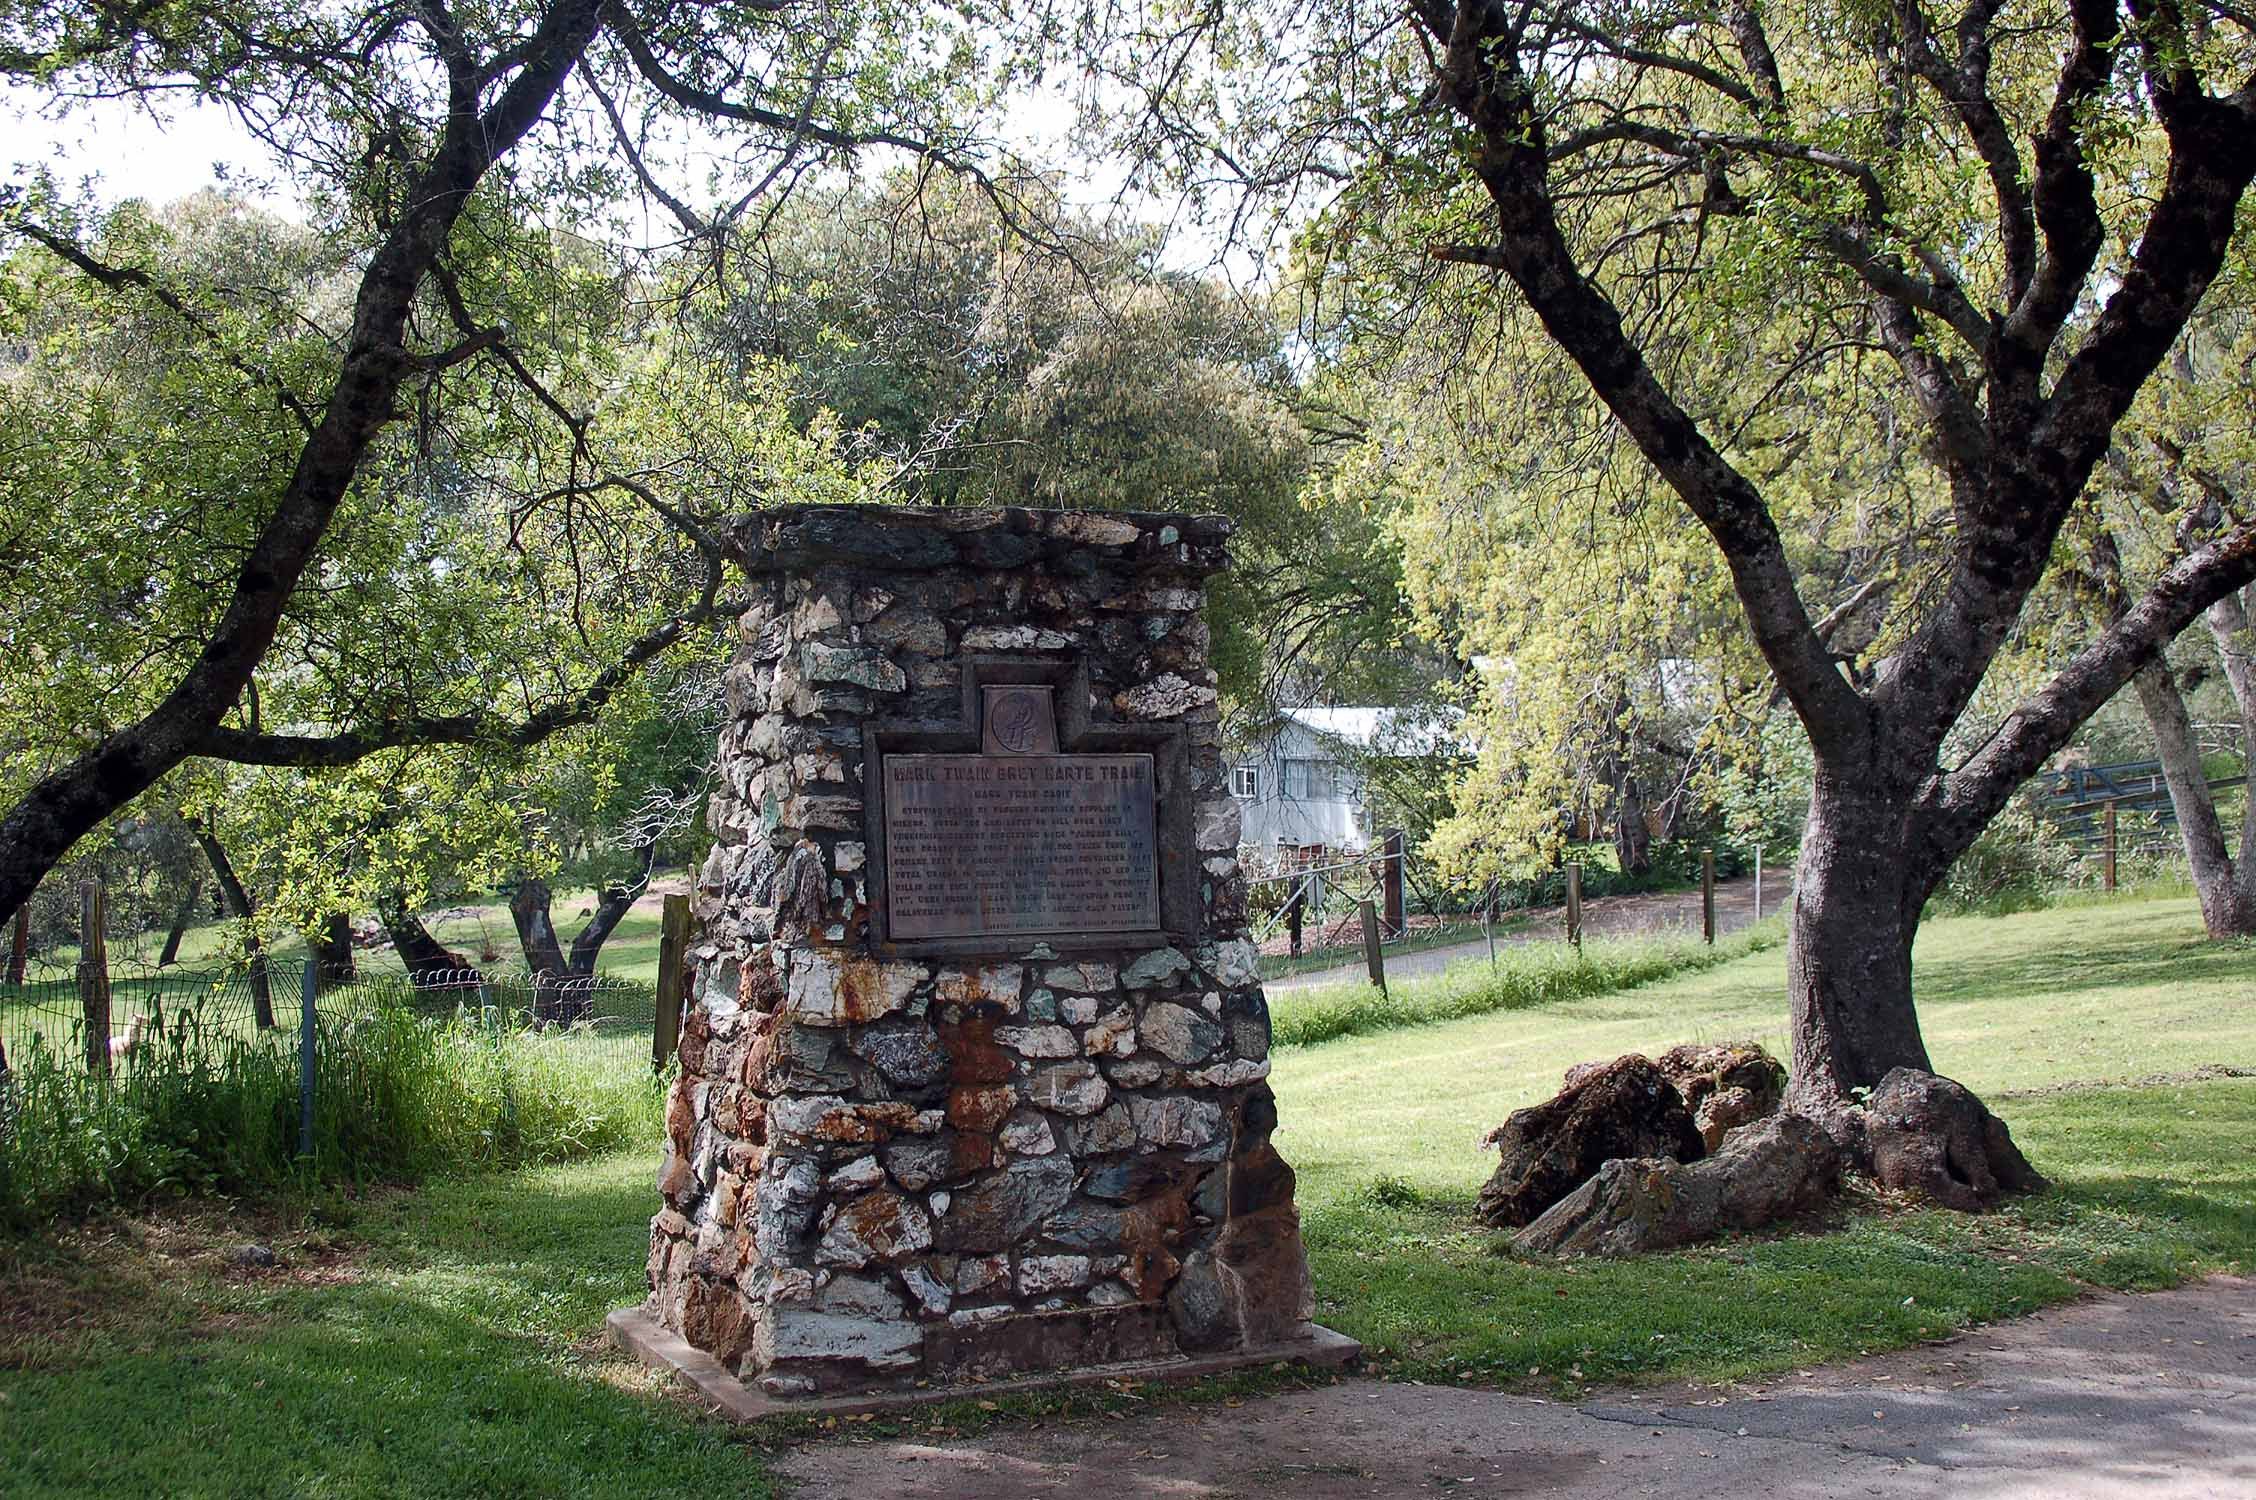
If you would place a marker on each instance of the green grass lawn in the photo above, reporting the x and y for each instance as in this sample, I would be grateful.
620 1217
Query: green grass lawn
2155 1183
439 1345
443 1342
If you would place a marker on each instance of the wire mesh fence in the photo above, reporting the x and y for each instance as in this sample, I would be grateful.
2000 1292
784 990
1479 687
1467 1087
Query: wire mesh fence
155 1017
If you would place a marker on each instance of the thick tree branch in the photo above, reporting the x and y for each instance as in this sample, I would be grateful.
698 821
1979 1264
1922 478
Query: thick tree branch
1483 83
346 746
1963 801
64 805
2064 202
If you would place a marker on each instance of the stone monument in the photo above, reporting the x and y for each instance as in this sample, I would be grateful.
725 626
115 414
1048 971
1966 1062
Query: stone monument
972 1073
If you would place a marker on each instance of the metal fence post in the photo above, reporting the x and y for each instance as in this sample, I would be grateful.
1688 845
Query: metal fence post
673 952
310 992
2107 866
1758 882
19 952
1574 906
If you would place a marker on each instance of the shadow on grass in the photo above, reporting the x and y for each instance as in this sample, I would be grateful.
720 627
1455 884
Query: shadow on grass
365 1391
446 1364
2129 960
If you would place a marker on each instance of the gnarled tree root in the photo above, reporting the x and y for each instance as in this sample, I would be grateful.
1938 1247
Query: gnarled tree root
1917 1133
1927 1135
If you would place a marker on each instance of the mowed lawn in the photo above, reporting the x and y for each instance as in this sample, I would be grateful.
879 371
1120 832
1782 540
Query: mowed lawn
2045 1014
2082 994
444 1342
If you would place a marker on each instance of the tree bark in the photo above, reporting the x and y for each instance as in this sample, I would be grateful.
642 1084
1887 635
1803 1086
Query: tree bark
426 958
239 903
612 904
560 984
332 949
180 921
2228 907
1857 899
544 953
1633 841
2236 647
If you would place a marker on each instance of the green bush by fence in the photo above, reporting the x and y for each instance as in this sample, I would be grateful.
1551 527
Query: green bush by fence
203 1103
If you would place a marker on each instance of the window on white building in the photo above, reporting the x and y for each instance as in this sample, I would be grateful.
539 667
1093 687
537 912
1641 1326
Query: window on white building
1315 780
1245 781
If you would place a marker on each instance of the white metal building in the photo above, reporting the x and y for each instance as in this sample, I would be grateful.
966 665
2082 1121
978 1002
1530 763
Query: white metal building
1299 788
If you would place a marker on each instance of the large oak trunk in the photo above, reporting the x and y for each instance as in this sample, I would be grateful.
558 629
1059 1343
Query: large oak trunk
1857 899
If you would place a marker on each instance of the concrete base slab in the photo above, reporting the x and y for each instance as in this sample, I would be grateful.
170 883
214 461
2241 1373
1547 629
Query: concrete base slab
643 1336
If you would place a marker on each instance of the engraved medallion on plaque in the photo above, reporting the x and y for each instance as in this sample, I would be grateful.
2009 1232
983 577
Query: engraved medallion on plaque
1017 719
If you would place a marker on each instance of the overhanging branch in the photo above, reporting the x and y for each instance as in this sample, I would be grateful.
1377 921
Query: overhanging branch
1967 798
345 747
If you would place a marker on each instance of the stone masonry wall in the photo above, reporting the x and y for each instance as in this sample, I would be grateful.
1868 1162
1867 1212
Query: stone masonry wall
885 1169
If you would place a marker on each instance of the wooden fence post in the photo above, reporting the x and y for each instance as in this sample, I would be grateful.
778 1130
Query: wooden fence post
1293 914
673 954
2107 863
1390 883
19 952
94 976
1373 954
1574 906
1707 895
1758 882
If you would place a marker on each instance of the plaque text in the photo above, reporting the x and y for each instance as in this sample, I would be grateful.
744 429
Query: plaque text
979 845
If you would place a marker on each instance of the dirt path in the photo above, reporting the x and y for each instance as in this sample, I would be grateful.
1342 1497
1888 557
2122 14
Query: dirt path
1607 916
2151 1396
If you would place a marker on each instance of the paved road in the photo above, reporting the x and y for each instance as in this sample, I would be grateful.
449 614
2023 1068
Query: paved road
2151 1397
1608 916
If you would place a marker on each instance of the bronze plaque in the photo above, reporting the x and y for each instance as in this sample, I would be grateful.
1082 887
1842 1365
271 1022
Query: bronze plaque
1003 845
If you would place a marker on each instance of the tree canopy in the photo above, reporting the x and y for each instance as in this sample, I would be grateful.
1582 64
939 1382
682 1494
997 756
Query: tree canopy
1982 226
327 424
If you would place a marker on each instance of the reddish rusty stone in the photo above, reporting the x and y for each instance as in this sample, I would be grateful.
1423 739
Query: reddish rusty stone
1263 1252
1150 1271
980 1109
681 1119
1259 1179
835 1122
713 1318
758 988
696 1031
870 991
972 1152
675 1184
974 1056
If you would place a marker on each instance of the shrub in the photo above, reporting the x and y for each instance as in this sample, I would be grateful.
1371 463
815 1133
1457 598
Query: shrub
398 1097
